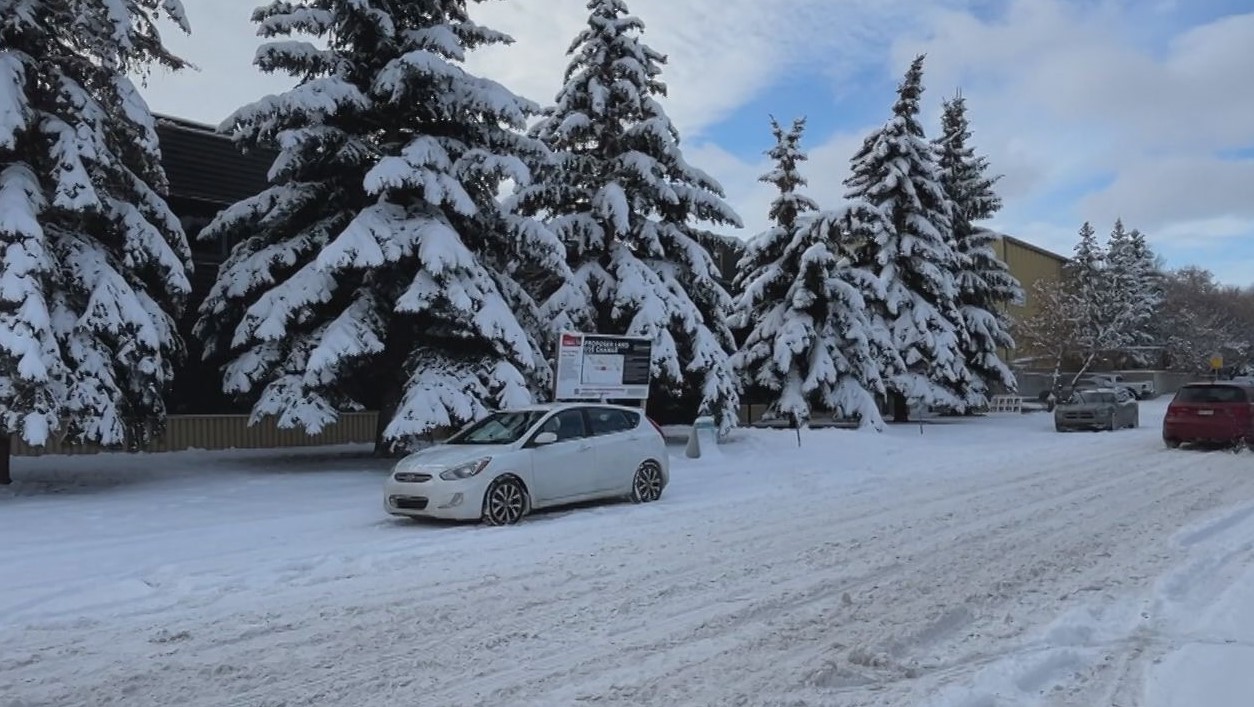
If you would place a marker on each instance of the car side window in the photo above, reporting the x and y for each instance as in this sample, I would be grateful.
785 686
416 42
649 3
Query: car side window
607 421
567 425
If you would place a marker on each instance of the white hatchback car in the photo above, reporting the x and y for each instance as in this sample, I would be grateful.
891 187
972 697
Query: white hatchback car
513 461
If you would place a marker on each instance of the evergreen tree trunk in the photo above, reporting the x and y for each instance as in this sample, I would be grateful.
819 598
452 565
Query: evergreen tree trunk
388 405
901 407
6 449
392 382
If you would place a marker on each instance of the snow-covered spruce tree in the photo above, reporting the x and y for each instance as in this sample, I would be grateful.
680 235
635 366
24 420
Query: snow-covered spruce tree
895 172
1118 281
1134 274
93 264
379 266
985 285
1099 310
1087 264
629 210
807 343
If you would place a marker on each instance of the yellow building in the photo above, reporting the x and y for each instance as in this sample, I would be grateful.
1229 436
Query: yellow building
1029 264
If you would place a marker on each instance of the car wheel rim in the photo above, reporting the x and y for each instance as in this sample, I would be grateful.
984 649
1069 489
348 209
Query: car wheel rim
649 483
505 504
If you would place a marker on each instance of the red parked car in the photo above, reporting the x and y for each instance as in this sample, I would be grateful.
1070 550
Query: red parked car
1215 413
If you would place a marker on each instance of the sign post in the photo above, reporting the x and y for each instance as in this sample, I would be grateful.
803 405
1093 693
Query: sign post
602 367
1216 363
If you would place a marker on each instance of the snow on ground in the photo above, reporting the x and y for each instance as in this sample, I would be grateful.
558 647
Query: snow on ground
962 563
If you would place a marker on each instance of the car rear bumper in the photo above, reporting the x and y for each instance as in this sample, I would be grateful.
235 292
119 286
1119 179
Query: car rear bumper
1206 433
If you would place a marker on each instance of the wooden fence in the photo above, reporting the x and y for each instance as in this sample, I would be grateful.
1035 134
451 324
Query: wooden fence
229 432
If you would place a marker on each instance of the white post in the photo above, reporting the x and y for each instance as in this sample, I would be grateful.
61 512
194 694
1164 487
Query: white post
702 427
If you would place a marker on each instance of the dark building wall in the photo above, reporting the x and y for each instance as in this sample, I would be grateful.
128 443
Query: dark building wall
204 165
206 173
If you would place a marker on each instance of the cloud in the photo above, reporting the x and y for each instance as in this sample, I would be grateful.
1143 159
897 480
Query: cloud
1059 98
1237 271
1091 109
719 54
222 45
1164 192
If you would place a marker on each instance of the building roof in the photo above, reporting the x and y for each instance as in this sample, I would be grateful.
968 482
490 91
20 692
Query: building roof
1035 248
731 242
206 165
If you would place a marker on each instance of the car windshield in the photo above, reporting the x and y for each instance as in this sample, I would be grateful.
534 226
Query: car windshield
498 428
1093 396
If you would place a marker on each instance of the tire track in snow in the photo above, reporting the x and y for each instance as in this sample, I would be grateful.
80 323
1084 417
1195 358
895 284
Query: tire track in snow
947 621
564 598
745 583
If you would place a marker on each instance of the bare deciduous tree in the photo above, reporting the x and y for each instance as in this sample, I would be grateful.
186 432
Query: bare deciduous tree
1052 331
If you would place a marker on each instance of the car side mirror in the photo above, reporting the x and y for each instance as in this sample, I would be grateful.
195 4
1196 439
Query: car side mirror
544 438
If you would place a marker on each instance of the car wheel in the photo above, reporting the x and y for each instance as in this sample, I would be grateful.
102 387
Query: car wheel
505 502
1172 443
647 484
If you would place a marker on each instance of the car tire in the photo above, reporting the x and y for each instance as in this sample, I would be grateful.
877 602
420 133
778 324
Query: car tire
646 485
505 502
1172 443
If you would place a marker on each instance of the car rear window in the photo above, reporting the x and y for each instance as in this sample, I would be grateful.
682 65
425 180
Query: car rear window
1094 396
1212 394
609 421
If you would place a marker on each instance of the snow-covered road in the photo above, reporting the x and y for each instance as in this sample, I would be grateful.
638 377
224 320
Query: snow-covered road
964 563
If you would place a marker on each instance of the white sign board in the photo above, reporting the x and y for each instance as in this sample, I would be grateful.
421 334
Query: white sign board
600 366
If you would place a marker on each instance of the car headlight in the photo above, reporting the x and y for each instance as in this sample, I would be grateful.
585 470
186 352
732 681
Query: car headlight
465 471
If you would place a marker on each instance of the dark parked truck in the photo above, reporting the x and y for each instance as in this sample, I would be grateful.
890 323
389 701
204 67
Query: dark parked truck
1097 409
1210 413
